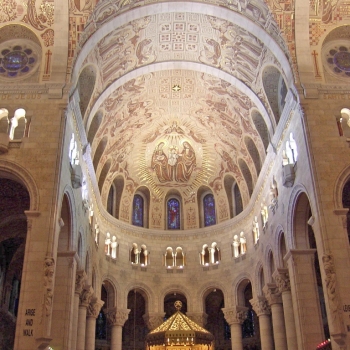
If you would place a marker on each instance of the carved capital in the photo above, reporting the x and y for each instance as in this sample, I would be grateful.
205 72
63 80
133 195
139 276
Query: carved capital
281 277
86 295
153 320
80 280
236 314
260 306
198 317
117 317
272 294
94 307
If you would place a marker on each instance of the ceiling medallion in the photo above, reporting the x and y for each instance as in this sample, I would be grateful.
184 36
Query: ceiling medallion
176 88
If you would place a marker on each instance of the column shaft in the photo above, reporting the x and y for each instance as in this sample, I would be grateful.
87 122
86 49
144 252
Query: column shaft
116 337
236 336
279 328
265 332
90 333
81 328
289 321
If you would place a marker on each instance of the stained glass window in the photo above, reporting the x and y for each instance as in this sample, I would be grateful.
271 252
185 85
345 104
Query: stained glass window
209 210
137 211
173 214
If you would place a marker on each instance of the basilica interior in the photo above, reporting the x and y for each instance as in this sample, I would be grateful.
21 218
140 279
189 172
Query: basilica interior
163 153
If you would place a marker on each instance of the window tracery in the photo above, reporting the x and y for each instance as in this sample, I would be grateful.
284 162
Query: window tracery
210 254
139 255
239 245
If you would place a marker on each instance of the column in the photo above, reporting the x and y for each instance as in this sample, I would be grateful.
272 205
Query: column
235 316
281 278
199 317
306 304
274 298
262 309
85 297
80 280
117 318
93 311
153 320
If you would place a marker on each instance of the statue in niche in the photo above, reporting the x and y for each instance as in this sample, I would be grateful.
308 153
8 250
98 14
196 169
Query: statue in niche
236 243
243 242
108 244
114 245
256 232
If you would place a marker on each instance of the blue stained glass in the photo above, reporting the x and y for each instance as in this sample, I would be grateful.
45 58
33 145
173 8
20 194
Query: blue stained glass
14 61
173 214
137 211
209 210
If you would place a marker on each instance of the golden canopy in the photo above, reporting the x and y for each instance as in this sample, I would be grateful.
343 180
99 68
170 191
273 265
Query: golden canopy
179 332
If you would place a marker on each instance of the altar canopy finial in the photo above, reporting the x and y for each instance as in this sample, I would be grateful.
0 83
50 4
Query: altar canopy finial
178 305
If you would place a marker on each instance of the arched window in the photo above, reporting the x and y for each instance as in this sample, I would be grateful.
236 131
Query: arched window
205 255
137 210
179 257
173 209
238 203
169 257
209 210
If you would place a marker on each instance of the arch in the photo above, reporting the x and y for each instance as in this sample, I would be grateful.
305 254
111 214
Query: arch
207 288
103 174
261 127
4 121
94 126
260 278
340 182
179 257
174 210
247 175
175 289
271 266
18 125
114 196
254 154
140 208
68 195
13 171
275 90
239 285
169 301
116 288
206 207
99 152
86 86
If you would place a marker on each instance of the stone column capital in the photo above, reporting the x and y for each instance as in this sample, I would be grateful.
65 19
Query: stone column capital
86 295
260 306
153 319
117 317
80 280
272 294
281 277
94 307
236 314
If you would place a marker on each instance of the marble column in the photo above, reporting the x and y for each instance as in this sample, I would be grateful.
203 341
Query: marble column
80 280
85 297
281 278
262 309
274 298
235 316
199 317
117 318
93 311
153 319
